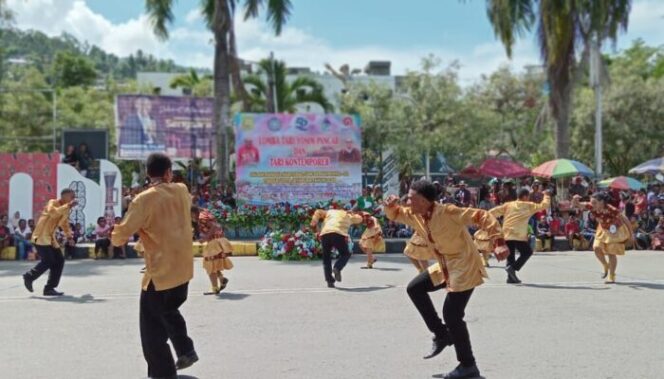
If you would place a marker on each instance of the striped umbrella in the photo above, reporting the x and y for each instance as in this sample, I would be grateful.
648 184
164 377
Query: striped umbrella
650 167
623 183
562 168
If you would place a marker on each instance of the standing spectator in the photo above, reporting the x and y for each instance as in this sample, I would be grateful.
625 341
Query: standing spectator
84 159
544 232
462 195
71 158
366 201
102 237
576 187
536 196
495 196
228 198
377 193
509 192
484 200
628 205
22 235
439 190
640 203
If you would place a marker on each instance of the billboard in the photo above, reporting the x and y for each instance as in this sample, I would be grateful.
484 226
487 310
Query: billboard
181 127
297 158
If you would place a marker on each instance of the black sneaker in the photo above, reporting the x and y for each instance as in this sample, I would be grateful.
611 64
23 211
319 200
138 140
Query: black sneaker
438 345
52 292
330 285
511 275
337 275
224 283
186 360
463 372
27 282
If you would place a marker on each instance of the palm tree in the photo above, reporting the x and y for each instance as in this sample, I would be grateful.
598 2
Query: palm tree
563 26
219 16
302 90
190 82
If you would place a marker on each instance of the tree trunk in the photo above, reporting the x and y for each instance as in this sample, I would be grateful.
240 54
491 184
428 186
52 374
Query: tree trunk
222 87
562 123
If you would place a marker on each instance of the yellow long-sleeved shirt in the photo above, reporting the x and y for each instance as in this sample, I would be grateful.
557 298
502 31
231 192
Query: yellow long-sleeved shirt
162 217
516 215
54 214
336 221
446 232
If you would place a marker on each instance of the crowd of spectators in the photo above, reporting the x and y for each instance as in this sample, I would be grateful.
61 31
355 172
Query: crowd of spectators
78 157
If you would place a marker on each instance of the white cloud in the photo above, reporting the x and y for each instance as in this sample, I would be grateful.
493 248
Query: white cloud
191 44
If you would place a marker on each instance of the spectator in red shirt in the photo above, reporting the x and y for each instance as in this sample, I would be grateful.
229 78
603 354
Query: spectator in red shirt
640 203
572 231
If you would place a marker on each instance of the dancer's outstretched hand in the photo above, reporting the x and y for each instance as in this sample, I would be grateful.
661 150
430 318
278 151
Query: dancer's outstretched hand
501 252
391 200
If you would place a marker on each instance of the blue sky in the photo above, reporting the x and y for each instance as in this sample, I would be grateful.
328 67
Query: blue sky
338 32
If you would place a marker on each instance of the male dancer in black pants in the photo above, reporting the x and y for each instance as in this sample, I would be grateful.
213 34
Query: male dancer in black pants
54 215
515 228
334 234
459 268
162 216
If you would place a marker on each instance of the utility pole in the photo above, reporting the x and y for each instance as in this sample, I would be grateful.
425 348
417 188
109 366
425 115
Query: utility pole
596 83
273 84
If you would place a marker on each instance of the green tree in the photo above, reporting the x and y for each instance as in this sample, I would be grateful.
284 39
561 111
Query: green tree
220 17
289 94
193 84
632 112
563 26
71 70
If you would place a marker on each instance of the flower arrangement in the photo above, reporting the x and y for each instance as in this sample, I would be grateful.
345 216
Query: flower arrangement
298 246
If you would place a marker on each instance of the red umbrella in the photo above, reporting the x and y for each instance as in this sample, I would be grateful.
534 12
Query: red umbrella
470 172
503 168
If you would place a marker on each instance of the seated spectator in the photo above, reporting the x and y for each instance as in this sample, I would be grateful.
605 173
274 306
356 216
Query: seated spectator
4 221
573 232
22 234
576 187
544 233
119 252
588 231
5 237
556 225
102 240
658 238
84 159
76 237
640 203
31 224
71 158
228 199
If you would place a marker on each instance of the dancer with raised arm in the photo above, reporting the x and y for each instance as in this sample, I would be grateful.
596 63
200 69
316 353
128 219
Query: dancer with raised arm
515 228
54 215
613 232
459 268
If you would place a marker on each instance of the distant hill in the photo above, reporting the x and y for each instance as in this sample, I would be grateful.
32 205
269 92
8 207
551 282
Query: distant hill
40 49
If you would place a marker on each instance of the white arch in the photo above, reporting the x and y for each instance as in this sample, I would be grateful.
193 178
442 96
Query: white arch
21 189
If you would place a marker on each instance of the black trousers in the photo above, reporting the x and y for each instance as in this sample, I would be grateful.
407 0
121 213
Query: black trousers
103 245
160 320
454 329
330 241
52 260
525 252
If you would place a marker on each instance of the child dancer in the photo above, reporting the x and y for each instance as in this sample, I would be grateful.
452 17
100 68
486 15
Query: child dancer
371 238
418 252
215 252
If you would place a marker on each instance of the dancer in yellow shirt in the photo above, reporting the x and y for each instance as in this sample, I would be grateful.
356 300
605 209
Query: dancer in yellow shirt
515 228
371 238
459 268
334 234
54 215
216 252
162 217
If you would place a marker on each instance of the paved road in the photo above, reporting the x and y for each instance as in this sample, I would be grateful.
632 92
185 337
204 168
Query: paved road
277 320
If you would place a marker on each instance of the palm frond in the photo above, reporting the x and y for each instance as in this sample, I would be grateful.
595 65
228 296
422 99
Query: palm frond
277 12
160 14
509 19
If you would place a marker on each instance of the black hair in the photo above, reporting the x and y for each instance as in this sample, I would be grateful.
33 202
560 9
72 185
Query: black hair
602 196
425 188
195 209
158 165
100 219
66 191
523 192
